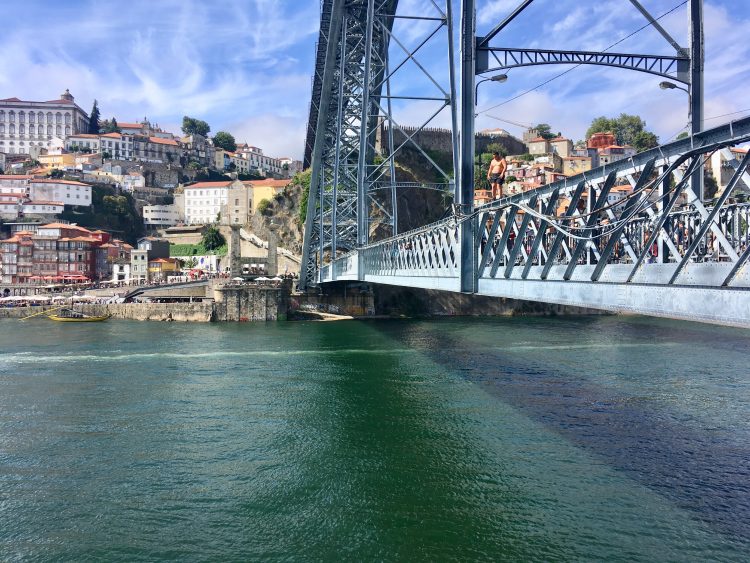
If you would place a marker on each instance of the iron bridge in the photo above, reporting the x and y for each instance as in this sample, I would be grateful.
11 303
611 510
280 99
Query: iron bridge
634 236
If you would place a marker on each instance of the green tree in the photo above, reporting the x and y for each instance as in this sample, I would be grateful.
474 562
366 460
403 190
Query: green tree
225 141
193 126
302 179
263 206
545 131
213 239
106 154
683 135
627 129
94 118
56 173
109 126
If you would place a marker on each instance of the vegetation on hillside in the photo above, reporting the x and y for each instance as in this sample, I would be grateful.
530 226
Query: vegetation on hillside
109 126
196 250
94 118
302 179
628 130
109 211
193 126
213 239
224 140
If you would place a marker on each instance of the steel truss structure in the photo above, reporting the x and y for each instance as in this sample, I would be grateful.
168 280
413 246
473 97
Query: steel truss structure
360 61
674 68
657 250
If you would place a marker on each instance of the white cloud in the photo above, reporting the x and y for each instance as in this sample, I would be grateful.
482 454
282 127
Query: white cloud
493 11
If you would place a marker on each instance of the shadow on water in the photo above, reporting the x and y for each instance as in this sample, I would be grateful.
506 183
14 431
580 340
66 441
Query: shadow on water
419 489
705 471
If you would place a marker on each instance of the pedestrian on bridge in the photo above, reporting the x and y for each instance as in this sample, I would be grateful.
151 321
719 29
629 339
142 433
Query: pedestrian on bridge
496 174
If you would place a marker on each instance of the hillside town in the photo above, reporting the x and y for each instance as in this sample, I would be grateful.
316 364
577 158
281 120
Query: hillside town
53 169
57 162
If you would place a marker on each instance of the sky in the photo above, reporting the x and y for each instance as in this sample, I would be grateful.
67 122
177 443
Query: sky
245 66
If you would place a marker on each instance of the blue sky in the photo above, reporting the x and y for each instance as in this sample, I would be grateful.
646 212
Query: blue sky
245 65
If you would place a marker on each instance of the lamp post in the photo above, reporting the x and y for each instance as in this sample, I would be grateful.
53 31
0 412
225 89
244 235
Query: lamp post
696 125
496 78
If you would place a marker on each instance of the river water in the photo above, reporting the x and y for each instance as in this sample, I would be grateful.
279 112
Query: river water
593 438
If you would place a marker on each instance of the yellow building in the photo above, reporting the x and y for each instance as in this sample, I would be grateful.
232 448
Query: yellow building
160 268
50 161
573 165
265 189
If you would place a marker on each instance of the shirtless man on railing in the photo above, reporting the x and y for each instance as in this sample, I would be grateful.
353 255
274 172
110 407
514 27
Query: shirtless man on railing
496 174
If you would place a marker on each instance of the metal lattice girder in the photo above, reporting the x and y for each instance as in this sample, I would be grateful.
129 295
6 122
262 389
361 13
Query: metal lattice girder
499 58
352 99
571 243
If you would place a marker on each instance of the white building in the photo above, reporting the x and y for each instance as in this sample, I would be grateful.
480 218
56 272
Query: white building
25 124
81 141
66 191
204 201
119 146
27 195
161 215
266 165
20 208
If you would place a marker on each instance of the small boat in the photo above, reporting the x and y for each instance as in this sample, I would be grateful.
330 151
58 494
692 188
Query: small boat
73 316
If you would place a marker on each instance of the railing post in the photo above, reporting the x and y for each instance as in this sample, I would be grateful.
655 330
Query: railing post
696 85
465 185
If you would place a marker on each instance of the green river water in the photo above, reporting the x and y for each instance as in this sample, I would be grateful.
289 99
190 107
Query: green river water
536 439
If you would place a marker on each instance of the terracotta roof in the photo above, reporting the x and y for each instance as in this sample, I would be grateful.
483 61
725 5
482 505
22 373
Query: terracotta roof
557 139
44 203
63 226
537 140
20 196
53 181
11 100
60 101
210 185
268 183
165 260
160 141
130 125
112 135
84 135
15 176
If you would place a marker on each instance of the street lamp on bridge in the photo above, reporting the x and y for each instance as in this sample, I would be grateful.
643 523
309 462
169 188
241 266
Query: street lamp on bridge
496 78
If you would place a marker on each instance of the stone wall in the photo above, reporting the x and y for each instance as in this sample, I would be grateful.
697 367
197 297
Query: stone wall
242 303
434 139
233 304
391 300
187 312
